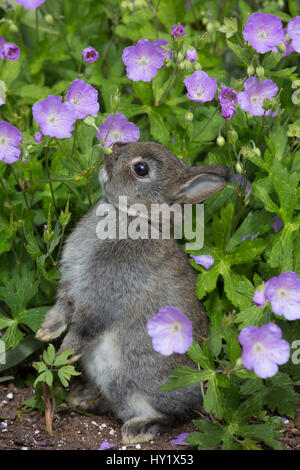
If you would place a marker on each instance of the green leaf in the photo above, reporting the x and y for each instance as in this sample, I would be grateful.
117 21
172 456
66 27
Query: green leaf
49 355
12 336
247 251
207 281
213 398
25 348
18 292
143 91
221 226
250 407
211 434
271 60
63 358
184 376
33 317
4 243
197 355
239 52
263 432
159 129
249 316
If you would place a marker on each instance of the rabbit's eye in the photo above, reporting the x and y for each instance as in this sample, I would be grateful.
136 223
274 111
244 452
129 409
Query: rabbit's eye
141 169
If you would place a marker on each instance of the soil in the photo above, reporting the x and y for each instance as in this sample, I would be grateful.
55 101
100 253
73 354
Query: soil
74 431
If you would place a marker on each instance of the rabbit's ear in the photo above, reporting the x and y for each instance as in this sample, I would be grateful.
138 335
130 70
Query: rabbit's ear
198 187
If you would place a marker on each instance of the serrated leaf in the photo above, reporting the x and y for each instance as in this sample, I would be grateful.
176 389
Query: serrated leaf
63 358
211 434
197 355
49 355
213 399
184 376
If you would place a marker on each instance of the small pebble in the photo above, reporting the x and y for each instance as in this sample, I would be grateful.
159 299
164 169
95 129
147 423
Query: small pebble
112 432
10 396
36 431
94 423
123 448
138 446
285 420
4 402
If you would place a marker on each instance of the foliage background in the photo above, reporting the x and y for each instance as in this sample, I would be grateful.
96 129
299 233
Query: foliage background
58 182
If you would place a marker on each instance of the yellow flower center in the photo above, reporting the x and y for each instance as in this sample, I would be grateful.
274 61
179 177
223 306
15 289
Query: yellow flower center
176 327
262 35
144 60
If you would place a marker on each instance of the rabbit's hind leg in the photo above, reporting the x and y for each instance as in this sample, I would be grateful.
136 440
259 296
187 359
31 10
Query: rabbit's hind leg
58 317
86 397
143 429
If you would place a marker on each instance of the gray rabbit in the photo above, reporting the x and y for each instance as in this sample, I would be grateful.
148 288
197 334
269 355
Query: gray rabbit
110 288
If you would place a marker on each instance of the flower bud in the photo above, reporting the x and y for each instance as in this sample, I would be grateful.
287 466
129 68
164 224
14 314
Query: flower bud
257 151
181 66
220 141
260 71
49 19
115 101
296 84
181 56
232 136
107 150
189 117
200 41
210 28
239 168
197 66
90 121
267 104
250 70
281 48
13 28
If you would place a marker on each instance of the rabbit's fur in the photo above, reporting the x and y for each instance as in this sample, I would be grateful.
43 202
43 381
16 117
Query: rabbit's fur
110 288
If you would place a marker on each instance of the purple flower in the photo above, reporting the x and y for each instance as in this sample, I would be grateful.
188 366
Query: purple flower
244 237
263 349
252 99
159 43
83 97
228 98
106 445
200 87
240 181
38 137
120 131
143 60
263 31
90 54
30 4
293 29
283 293
177 30
277 225
10 51
55 118
205 260
171 331
191 55
259 297
10 139
180 439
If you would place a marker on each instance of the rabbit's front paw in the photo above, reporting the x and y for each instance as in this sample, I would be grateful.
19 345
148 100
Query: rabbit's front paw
141 429
72 342
52 327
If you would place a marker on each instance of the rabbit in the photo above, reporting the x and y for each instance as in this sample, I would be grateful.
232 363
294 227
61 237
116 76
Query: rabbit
110 288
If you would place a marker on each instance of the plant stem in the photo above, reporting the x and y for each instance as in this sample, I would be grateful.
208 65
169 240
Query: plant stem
21 185
111 123
49 411
206 123
37 27
50 182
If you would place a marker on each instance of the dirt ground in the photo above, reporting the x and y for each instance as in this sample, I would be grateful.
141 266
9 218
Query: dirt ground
74 431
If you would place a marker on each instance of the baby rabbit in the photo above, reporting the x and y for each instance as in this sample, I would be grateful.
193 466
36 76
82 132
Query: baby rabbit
110 288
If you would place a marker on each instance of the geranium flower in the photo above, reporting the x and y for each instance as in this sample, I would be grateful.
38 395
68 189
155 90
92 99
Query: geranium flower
120 131
171 331
38 137
177 30
259 297
228 98
263 349
83 97
293 29
263 31
55 118
10 139
30 4
200 87
191 55
10 51
252 99
239 180
90 54
143 60
277 225
283 293
205 260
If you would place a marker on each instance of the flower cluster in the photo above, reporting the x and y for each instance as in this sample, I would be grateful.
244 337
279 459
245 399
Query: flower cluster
8 50
56 118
